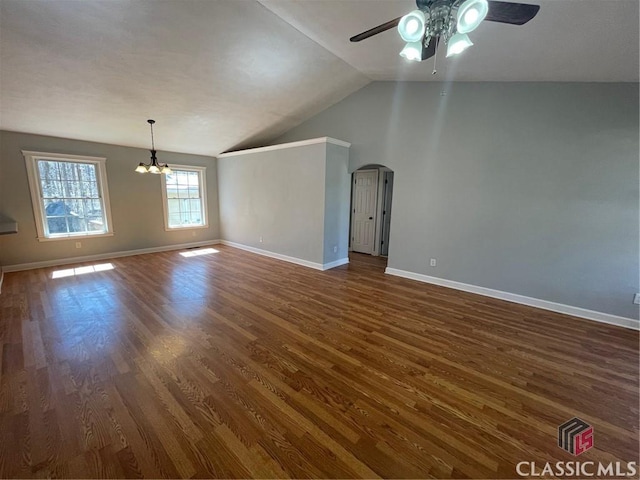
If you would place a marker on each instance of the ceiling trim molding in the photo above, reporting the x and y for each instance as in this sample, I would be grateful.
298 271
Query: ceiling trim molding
302 143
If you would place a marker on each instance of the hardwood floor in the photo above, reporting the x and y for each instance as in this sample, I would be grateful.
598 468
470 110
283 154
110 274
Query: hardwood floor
234 365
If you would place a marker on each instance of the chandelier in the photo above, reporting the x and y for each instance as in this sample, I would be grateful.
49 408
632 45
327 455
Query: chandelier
154 166
438 21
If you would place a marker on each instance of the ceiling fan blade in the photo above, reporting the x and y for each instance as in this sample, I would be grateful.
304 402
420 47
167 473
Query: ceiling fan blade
513 13
376 30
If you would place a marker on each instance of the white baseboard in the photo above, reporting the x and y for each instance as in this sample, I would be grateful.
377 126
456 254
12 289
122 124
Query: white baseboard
336 263
515 298
165 248
105 256
286 258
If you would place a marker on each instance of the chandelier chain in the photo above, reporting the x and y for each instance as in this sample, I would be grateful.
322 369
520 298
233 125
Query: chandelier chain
153 146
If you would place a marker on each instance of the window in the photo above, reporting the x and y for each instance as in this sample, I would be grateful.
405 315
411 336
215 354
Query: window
184 198
69 195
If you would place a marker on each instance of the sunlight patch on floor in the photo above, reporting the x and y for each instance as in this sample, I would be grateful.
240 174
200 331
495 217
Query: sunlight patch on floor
70 272
198 252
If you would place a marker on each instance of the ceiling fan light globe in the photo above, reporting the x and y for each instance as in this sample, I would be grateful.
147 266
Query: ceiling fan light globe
412 51
412 26
470 15
154 169
166 170
458 44
141 168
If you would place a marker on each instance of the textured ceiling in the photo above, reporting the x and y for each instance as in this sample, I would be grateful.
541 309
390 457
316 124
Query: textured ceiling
224 74
213 74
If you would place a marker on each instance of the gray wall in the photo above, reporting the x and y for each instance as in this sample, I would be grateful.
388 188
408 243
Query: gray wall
136 200
337 201
529 188
278 195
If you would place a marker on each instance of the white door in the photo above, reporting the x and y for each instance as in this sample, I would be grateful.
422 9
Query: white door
363 227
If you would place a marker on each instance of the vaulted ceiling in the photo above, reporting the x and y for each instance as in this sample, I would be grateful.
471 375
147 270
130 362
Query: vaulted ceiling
222 74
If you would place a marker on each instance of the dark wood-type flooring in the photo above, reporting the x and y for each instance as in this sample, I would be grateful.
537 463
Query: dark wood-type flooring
236 365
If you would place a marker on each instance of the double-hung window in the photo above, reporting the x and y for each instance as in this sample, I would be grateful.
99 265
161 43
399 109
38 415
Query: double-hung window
185 197
69 195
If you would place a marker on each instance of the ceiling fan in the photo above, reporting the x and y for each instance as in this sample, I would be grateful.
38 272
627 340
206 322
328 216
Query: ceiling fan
449 21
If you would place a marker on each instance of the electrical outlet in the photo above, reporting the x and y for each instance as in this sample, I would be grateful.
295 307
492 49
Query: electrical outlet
432 262
636 299
335 249
78 244
260 238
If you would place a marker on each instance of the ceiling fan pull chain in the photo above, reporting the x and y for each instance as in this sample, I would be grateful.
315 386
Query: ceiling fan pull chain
435 57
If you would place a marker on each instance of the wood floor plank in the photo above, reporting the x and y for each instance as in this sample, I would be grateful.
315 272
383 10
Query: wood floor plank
232 365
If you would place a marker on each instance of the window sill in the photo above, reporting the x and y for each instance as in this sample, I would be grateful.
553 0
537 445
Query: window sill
74 237
180 229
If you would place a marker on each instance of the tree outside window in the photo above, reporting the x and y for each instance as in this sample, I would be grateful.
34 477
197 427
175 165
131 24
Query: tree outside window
68 194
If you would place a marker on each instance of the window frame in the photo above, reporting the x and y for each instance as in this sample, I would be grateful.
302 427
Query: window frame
202 184
35 188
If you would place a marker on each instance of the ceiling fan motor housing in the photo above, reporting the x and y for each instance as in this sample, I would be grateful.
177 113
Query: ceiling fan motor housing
425 5
441 22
